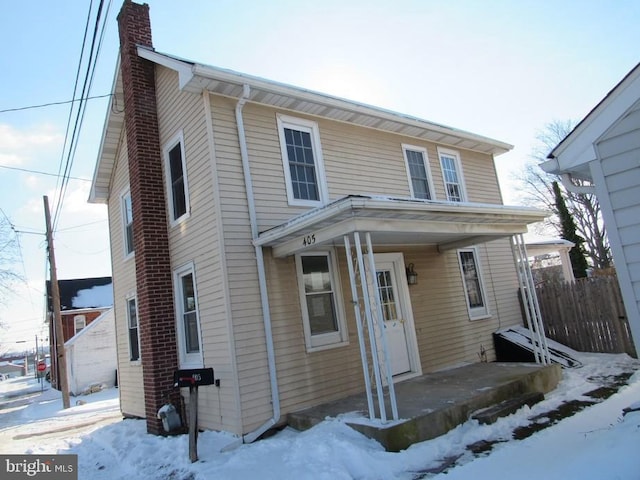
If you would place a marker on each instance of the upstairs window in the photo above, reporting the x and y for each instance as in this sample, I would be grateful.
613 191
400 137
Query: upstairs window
302 161
322 312
127 223
177 186
79 322
132 322
418 172
472 281
452 175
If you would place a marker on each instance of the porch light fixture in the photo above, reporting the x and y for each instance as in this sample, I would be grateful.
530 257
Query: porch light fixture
412 276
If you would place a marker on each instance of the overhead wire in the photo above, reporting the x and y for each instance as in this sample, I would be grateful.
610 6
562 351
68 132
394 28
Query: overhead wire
94 53
50 104
75 89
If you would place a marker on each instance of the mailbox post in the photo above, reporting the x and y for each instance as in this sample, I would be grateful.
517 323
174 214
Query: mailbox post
193 378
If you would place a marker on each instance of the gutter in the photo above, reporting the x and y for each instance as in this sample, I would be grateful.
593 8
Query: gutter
262 277
552 165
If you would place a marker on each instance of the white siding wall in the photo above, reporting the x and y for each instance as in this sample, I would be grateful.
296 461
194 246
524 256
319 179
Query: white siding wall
617 179
92 356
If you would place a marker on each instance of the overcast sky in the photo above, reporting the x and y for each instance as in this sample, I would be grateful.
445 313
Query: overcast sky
502 69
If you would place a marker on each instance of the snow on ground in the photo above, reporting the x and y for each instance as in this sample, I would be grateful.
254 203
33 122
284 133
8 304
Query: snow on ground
596 443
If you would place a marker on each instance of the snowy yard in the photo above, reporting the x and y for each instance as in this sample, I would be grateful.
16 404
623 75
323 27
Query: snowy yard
596 443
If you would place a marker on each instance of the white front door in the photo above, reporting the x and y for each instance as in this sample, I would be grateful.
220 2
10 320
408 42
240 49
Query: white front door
394 300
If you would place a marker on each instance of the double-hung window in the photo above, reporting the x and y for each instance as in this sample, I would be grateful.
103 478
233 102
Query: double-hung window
127 223
187 316
132 323
418 172
302 161
322 311
176 175
472 281
452 175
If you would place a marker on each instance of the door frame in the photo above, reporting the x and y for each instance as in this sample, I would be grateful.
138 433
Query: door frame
397 261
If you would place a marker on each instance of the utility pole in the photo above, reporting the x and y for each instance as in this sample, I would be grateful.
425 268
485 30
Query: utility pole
55 293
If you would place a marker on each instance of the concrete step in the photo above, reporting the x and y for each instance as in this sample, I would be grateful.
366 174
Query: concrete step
507 407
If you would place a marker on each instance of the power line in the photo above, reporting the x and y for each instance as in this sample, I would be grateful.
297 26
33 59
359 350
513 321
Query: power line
42 105
42 173
86 89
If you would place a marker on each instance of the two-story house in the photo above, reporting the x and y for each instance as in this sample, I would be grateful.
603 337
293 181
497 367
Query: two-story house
298 243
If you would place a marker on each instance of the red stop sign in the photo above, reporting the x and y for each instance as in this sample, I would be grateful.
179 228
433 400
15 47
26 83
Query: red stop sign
42 366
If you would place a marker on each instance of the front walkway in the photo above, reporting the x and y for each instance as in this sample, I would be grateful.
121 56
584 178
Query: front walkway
433 404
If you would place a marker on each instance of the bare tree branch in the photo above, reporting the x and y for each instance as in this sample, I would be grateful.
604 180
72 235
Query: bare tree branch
536 190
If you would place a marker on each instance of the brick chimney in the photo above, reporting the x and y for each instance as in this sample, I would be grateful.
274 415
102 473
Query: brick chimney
154 290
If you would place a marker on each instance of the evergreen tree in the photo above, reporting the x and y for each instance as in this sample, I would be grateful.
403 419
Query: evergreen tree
568 232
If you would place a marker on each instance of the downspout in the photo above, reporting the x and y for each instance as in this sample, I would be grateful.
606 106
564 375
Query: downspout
262 277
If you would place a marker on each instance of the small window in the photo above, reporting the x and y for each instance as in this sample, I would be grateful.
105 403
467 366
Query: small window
322 312
134 337
127 223
177 186
418 172
472 281
79 322
302 161
452 175
187 314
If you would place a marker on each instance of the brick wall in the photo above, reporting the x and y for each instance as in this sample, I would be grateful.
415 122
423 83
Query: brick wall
153 269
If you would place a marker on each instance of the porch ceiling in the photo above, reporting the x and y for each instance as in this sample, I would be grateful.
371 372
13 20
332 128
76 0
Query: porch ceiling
399 221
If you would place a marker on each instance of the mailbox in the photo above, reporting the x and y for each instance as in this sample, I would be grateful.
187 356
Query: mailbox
193 377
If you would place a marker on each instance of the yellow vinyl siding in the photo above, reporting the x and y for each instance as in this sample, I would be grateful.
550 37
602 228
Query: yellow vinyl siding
130 377
246 312
357 160
197 239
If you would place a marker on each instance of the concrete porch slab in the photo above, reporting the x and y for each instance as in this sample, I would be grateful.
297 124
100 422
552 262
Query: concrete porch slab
433 404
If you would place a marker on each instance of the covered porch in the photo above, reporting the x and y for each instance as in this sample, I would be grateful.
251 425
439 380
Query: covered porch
374 231
431 405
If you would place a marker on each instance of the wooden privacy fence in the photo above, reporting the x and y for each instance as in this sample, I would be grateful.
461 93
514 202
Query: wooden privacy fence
587 315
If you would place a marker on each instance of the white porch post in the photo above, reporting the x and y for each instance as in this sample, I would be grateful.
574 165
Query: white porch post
530 301
356 308
381 326
370 323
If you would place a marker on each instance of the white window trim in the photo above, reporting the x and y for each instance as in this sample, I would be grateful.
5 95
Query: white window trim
427 168
75 324
178 138
456 155
127 299
285 121
323 341
477 313
127 255
187 360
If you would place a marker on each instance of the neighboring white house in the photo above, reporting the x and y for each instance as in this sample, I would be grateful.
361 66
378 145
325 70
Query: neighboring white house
558 249
604 149
92 356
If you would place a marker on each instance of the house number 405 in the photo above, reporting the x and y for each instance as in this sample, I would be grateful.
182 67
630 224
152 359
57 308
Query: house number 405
309 240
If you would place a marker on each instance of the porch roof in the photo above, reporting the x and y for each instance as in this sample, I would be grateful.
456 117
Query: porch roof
399 221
